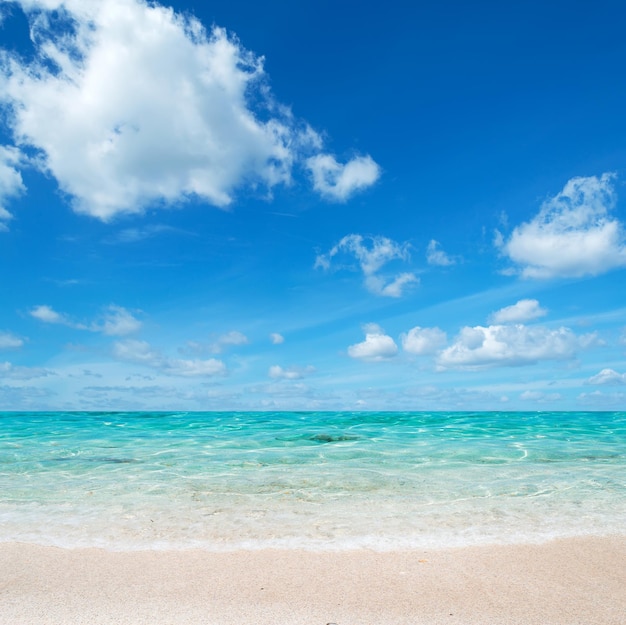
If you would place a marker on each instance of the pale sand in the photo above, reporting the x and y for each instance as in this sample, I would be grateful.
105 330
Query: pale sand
565 582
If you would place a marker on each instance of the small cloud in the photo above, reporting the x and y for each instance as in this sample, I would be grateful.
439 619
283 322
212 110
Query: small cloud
436 256
48 315
290 373
276 338
603 400
338 182
372 254
376 347
134 235
608 377
9 371
11 184
117 321
523 310
225 340
573 234
423 341
538 396
10 341
142 353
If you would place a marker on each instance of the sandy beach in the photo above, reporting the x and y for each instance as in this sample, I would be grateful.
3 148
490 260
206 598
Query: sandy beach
564 582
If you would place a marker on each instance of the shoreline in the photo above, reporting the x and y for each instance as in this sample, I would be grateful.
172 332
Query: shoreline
567 581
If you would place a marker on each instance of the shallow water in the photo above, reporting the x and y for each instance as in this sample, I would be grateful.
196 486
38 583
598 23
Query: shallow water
328 480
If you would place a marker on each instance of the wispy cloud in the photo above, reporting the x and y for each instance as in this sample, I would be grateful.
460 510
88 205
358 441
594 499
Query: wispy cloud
339 182
436 256
372 254
217 346
134 235
290 373
11 184
523 310
276 338
114 321
10 371
142 353
10 341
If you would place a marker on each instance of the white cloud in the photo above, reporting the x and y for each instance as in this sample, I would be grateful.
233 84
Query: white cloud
48 315
523 310
276 338
422 341
372 258
133 235
573 235
290 373
339 182
230 338
195 367
377 345
137 105
603 400
390 287
436 256
511 345
11 184
540 397
117 322
10 341
10 371
608 377
142 353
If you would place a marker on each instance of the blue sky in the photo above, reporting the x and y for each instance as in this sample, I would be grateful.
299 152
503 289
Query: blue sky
312 205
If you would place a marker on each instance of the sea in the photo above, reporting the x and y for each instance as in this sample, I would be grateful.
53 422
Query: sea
309 480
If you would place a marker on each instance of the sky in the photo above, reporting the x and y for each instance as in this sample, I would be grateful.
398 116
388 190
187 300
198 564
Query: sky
312 206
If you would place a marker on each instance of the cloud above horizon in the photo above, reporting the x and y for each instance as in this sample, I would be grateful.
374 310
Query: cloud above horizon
10 341
339 182
277 372
129 104
521 311
573 235
376 347
608 377
516 345
142 353
436 256
11 183
372 254
423 341
114 321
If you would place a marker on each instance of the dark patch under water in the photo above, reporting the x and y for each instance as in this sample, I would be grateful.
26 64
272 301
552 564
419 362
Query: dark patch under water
331 438
104 460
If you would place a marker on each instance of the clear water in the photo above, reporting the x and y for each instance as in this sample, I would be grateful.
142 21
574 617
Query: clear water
316 480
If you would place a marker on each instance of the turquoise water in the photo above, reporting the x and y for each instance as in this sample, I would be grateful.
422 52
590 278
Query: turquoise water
316 480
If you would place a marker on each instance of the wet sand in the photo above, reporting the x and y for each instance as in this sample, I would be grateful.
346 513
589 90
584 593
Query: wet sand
564 582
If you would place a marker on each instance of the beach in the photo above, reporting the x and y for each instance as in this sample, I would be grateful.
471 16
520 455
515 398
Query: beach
562 582
312 518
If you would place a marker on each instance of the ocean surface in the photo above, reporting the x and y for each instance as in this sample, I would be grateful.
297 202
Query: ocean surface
314 480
